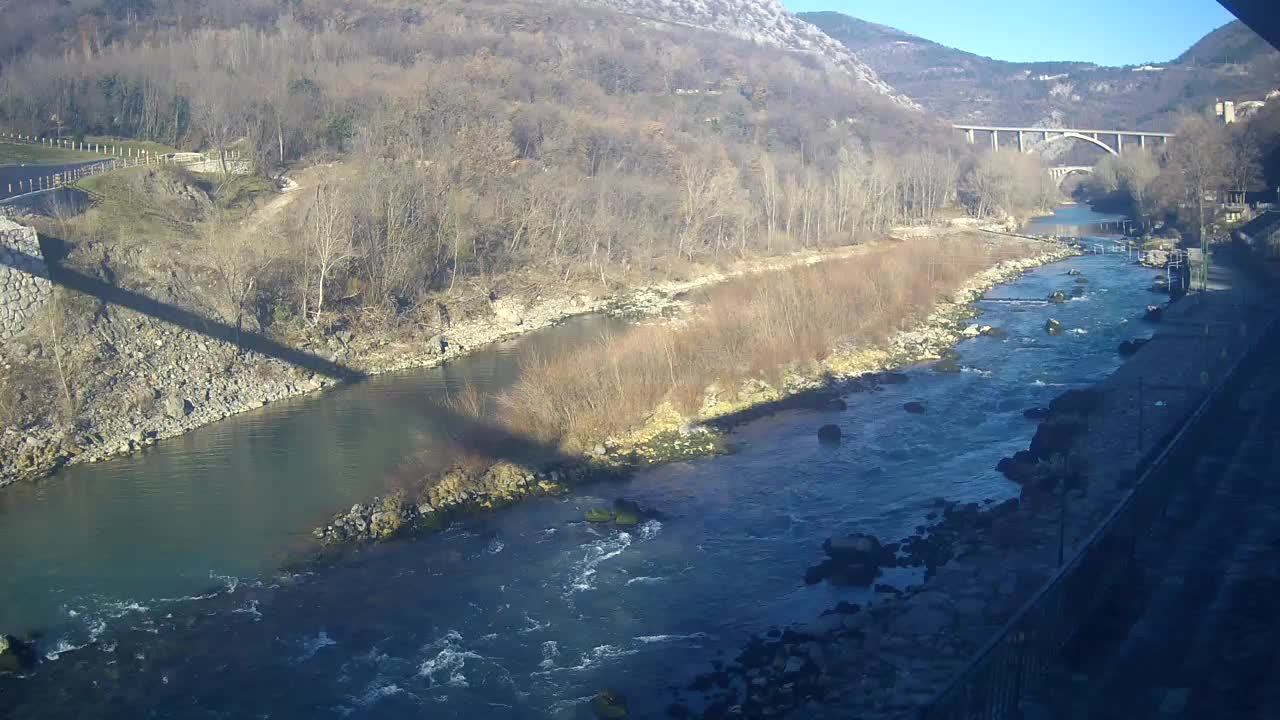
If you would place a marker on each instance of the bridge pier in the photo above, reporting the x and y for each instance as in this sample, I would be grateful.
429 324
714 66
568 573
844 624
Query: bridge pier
1022 148
968 135
995 141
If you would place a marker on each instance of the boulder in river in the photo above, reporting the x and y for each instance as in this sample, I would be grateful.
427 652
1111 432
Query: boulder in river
835 404
858 546
1155 313
1073 271
950 362
1082 280
947 366
16 656
598 515
892 378
609 705
629 513
852 560
1131 347
915 407
829 434
1057 297
1053 326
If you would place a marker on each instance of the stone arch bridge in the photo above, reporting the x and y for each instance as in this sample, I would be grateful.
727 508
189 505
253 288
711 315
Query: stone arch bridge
1060 172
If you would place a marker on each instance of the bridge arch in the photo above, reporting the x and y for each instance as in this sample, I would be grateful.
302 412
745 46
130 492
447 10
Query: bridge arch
1061 175
1086 138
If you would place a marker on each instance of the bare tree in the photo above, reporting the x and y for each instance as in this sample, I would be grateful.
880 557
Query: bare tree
1196 162
328 233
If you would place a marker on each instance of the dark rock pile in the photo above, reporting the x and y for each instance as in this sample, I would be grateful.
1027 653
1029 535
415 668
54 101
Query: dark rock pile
852 560
1131 347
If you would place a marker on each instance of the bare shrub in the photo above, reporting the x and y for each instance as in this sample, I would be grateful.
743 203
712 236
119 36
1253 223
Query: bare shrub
752 329
467 401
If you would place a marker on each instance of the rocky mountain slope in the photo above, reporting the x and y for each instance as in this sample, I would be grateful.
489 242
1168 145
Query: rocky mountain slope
763 21
1231 63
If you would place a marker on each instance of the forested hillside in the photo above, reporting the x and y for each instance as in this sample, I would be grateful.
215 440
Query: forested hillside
1231 63
483 137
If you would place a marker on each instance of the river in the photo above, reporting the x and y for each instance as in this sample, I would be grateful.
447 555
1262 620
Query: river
166 564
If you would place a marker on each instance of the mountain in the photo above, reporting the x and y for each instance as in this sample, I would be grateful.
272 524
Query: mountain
1231 44
762 21
1231 63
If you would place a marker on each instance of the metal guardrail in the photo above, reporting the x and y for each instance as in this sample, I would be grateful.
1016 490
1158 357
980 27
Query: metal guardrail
992 684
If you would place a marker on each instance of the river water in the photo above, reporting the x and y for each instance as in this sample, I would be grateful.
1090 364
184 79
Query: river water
167 564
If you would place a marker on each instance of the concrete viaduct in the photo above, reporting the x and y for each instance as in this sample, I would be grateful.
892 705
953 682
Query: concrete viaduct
1101 138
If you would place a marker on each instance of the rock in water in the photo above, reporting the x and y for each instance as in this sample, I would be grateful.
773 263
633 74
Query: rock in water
1155 313
914 407
1131 347
627 513
598 515
1053 327
829 434
854 560
948 365
1058 297
858 546
1073 271
16 656
609 705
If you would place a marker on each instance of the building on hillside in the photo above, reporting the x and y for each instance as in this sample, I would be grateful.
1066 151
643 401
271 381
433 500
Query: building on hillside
1225 111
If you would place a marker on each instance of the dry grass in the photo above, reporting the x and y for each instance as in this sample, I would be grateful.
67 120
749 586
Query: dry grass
752 328
468 401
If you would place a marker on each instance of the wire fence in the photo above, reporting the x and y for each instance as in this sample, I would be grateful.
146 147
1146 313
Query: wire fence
119 157
993 683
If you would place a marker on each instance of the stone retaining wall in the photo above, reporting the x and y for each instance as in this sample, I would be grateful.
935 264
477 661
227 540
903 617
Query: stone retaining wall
24 278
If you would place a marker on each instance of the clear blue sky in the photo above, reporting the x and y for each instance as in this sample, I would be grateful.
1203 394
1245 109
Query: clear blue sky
1108 32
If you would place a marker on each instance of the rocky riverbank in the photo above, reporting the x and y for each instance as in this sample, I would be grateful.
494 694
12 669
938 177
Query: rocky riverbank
669 435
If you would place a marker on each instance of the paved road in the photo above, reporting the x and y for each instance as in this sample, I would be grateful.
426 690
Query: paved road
1196 632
